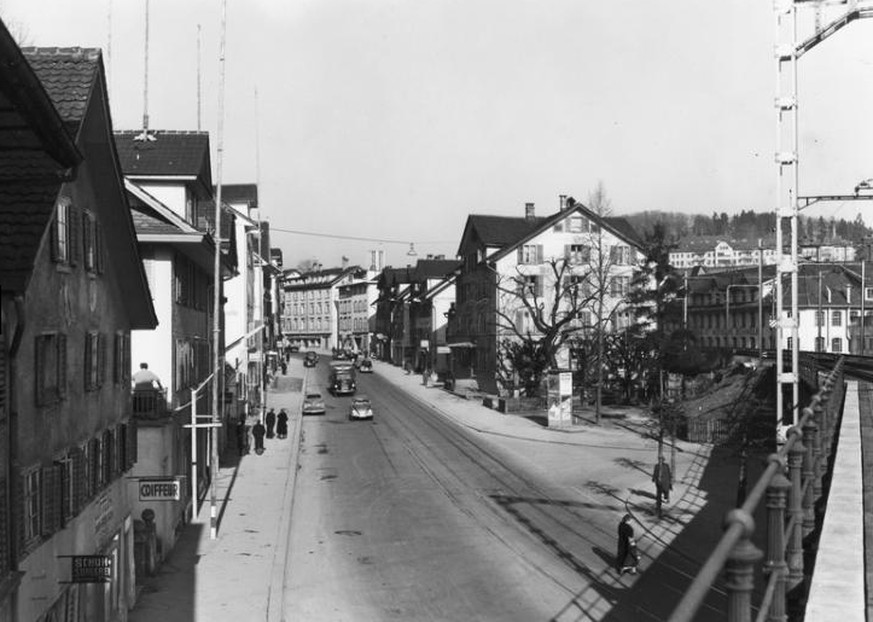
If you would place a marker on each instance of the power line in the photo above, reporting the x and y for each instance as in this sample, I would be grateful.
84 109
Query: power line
352 237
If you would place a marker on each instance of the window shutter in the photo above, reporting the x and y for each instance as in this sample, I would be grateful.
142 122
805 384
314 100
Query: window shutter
519 321
126 360
88 356
539 253
520 254
88 240
567 257
78 457
54 238
18 512
99 249
74 227
39 372
62 365
101 359
540 283
51 493
132 453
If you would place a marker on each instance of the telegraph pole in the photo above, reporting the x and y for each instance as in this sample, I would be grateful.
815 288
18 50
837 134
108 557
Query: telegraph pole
216 303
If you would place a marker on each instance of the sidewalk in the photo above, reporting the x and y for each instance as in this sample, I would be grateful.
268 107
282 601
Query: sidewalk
229 578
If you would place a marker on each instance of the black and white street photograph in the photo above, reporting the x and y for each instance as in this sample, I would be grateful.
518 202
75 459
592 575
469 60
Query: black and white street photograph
436 311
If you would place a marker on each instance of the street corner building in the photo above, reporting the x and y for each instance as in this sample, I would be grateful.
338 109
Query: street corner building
73 289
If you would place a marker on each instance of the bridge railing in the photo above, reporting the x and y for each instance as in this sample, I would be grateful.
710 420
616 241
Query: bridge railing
792 485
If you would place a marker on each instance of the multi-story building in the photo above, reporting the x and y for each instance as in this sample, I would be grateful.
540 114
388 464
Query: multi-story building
725 309
168 180
512 268
73 289
719 253
390 342
356 295
419 299
310 309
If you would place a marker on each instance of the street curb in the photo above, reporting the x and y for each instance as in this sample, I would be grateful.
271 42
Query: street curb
279 568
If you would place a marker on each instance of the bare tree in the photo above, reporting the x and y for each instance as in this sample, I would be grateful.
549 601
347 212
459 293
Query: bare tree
547 302
308 265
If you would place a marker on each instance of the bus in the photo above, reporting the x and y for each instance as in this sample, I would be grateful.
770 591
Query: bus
341 380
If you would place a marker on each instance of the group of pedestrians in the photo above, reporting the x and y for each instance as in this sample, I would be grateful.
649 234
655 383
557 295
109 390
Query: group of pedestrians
628 556
273 425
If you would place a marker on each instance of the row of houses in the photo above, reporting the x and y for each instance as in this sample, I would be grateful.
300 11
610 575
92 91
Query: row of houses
108 245
453 317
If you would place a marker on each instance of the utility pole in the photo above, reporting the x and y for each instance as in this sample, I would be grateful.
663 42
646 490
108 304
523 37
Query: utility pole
216 303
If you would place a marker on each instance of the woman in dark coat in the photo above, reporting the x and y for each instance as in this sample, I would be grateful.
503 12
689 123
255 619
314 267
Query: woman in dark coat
626 560
270 421
258 431
282 424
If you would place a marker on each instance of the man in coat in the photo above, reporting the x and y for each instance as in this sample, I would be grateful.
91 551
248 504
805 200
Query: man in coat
259 431
663 479
627 558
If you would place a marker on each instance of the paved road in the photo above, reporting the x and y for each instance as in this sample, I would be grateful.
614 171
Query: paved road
416 517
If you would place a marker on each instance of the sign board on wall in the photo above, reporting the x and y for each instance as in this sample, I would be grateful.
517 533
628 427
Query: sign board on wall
159 489
91 568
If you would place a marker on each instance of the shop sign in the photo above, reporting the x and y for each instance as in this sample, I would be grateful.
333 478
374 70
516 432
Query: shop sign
91 568
159 489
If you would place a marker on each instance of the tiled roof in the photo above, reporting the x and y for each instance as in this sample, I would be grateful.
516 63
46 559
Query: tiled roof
623 227
146 223
67 74
170 153
25 210
502 230
434 268
239 193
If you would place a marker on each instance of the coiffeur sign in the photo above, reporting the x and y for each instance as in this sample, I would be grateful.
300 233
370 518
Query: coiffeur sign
159 489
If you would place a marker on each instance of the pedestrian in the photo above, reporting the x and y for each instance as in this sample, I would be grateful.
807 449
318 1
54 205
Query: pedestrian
271 421
627 559
282 424
242 435
258 431
284 368
663 479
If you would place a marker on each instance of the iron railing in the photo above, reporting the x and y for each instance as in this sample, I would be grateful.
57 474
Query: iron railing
792 483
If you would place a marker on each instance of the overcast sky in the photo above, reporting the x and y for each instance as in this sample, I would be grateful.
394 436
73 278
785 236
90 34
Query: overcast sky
394 120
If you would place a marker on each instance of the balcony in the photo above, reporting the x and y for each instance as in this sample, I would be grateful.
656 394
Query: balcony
149 404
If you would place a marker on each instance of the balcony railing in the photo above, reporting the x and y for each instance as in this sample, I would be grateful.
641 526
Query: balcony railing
149 403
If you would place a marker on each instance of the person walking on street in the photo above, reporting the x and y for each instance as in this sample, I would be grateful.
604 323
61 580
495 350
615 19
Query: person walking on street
271 422
242 435
627 559
282 424
663 479
258 431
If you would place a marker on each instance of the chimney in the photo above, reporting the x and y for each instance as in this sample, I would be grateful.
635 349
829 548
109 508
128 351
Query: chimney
562 202
345 262
373 261
529 213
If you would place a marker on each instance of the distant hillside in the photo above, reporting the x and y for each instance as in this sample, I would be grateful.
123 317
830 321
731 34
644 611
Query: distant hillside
749 224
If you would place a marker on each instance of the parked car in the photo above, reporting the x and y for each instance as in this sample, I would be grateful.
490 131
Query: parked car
310 359
366 366
313 404
361 408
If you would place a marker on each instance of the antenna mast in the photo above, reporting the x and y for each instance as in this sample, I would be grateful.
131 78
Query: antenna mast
145 93
198 78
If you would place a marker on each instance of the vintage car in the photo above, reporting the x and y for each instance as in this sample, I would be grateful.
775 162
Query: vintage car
313 404
361 408
365 366
310 359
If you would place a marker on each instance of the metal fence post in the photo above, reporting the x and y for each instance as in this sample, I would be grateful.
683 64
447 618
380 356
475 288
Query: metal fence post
777 497
795 510
820 460
740 569
808 471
